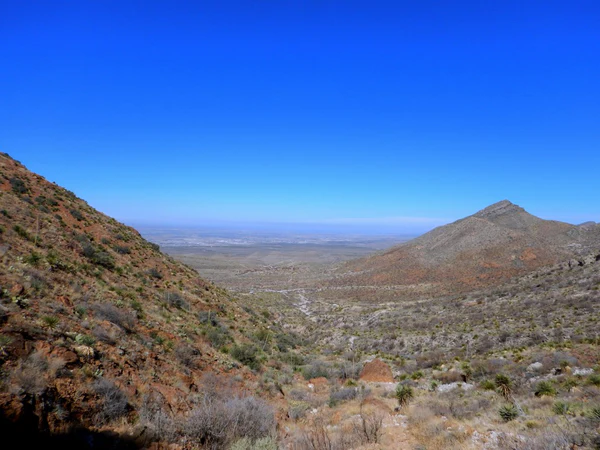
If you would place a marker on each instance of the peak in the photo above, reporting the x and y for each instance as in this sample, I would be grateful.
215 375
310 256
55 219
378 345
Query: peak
501 208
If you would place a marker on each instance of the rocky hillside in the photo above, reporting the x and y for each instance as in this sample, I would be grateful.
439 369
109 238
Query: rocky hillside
491 246
101 332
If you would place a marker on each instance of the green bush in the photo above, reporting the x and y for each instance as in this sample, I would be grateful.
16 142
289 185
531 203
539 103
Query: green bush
561 408
247 354
154 273
488 385
404 394
98 257
122 249
417 375
545 388
316 369
594 379
595 414
508 412
76 214
22 232
18 186
218 336
33 259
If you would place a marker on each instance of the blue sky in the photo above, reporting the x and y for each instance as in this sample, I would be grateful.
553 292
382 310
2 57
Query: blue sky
396 115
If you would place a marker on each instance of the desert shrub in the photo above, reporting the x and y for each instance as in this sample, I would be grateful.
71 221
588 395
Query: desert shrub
594 379
544 388
292 358
266 443
297 409
286 341
487 385
22 232
160 425
53 259
98 257
417 375
561 408
113 402
30 374
33 259
43 200
430 359
76 214
36 279
455 404
175 299
342 395
104 335
508 412
208 318
18 186
104 259
347 370
108 311
122 249
315 370
318 437
404 394
154 273
368 427
247 354
217 423
218 336
187 355
84 339
450 376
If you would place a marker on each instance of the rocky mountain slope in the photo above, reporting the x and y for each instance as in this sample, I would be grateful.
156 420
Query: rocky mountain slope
491 246
101 332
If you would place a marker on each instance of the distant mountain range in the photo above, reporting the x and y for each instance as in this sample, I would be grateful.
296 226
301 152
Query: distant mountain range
486 248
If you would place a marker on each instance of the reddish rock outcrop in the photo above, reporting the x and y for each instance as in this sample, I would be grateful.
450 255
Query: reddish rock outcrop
377 371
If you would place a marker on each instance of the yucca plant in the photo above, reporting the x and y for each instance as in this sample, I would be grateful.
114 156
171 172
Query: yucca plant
545 388
50 321
561 408
404 394
504 385
508 412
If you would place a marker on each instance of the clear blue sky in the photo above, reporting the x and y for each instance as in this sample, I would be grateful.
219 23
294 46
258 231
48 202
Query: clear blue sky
402 114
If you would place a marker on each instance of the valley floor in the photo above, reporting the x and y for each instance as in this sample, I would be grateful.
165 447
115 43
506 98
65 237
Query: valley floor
514 367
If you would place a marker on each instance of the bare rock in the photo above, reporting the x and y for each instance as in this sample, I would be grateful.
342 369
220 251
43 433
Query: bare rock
377 371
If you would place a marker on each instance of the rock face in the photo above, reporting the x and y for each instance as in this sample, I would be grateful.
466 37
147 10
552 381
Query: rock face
84 299
377 371
484 249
